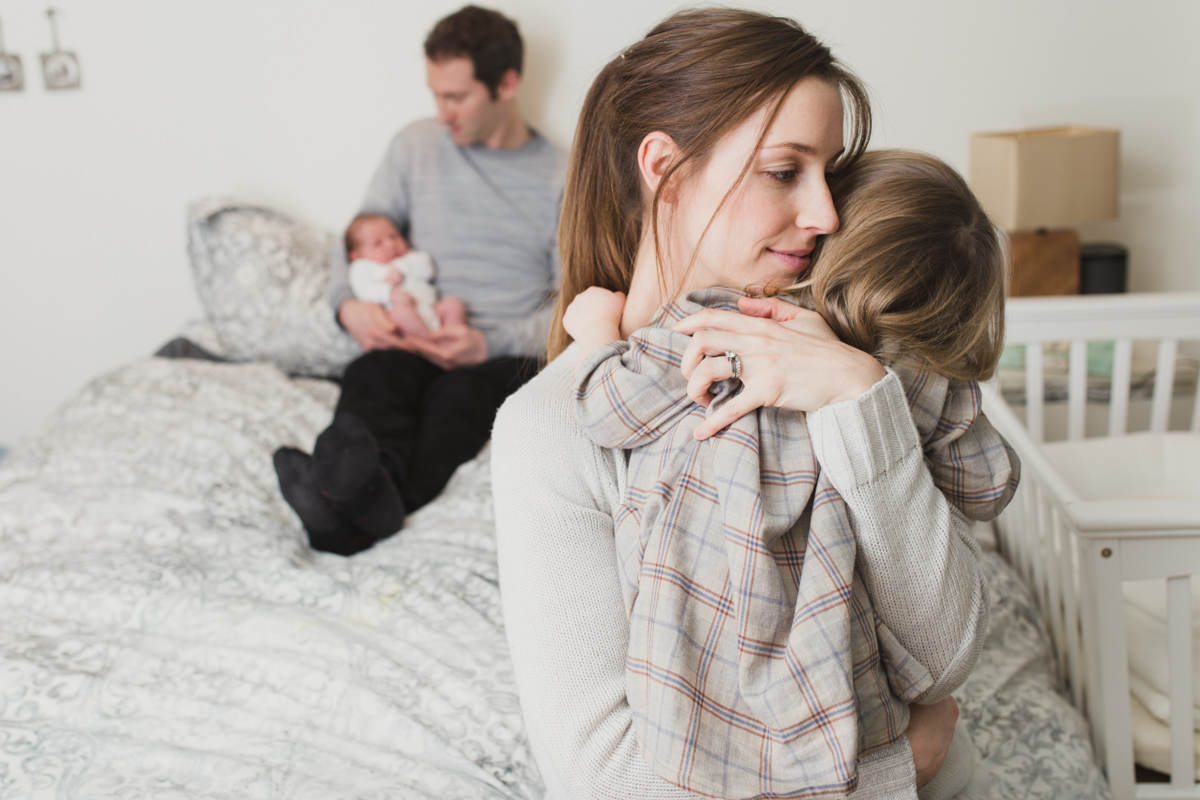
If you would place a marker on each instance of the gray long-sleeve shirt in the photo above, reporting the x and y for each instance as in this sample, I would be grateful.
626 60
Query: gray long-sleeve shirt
489 219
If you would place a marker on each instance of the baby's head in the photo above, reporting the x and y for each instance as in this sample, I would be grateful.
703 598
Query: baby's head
374 237
915 273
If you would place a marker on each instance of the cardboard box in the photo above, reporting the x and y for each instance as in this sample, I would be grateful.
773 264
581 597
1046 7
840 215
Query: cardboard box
1048 177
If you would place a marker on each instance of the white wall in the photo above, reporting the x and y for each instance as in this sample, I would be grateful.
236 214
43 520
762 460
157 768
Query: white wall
290 102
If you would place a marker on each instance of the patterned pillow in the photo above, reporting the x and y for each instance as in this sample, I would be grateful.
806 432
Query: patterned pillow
263 279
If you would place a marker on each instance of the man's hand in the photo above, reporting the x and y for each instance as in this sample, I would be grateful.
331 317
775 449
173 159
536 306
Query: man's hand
452 347
371 326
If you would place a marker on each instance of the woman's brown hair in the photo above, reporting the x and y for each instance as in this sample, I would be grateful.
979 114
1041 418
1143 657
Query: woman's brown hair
695 76
915 273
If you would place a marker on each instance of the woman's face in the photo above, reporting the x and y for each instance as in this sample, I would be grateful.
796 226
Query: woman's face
766 231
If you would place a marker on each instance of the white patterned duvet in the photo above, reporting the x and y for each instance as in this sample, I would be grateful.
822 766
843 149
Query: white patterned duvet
167 633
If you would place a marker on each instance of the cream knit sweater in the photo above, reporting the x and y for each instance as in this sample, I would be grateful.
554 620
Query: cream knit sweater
555 492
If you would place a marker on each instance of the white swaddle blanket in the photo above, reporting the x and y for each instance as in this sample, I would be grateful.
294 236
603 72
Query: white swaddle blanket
368 281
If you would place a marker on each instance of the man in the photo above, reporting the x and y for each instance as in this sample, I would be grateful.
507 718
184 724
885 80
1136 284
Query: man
480 191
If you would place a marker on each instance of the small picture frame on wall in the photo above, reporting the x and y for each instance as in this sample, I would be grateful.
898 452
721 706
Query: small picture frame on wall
12 76
61 70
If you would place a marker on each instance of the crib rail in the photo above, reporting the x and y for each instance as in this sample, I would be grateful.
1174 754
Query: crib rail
1074 553
1166 318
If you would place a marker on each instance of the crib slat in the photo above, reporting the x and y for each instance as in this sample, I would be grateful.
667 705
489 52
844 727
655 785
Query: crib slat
1014 524
1179 639
1071 595
1035 392
1027 535
1164 385
1038 553
1033 547
1092 698
1053 609
1118 412
1196 409
1076 390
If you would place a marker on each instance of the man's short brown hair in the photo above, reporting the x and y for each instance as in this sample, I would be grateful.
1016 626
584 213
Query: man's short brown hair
487 37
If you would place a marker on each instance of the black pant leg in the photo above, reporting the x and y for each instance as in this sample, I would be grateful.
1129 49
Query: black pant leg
456 421
386 389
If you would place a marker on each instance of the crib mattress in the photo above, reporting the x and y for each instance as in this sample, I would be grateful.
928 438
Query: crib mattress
1137 466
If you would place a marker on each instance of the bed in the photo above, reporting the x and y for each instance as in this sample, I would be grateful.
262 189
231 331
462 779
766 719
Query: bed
1106 526
169 634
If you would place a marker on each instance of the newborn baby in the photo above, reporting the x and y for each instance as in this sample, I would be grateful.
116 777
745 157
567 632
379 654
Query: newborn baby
384 270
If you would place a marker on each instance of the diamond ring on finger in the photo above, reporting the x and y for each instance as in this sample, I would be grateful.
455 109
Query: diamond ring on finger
735 363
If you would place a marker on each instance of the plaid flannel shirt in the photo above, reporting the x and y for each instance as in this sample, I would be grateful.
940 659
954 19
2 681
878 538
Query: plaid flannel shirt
756 665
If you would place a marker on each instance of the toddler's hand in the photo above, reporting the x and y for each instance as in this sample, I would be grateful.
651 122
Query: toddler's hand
594 310
395 277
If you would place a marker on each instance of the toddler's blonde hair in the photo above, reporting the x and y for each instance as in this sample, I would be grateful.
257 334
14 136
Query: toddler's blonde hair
915 273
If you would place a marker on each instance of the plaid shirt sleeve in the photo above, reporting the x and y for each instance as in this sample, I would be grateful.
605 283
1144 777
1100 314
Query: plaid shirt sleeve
628 394
969 460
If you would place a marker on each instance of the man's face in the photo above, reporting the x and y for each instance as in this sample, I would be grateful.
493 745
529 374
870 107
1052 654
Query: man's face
464 104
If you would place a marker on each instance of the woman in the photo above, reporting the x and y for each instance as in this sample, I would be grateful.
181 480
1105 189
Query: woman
700 160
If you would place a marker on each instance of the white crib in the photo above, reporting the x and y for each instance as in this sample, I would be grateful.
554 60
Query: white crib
1075 553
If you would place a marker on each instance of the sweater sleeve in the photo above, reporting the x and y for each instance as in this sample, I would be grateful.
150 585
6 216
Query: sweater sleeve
564 614
527 336
917 558
522 337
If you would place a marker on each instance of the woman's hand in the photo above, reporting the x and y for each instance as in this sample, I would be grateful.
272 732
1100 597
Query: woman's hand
930 731
790 359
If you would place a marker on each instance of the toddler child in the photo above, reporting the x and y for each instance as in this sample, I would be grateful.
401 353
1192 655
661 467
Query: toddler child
756 664
384 270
